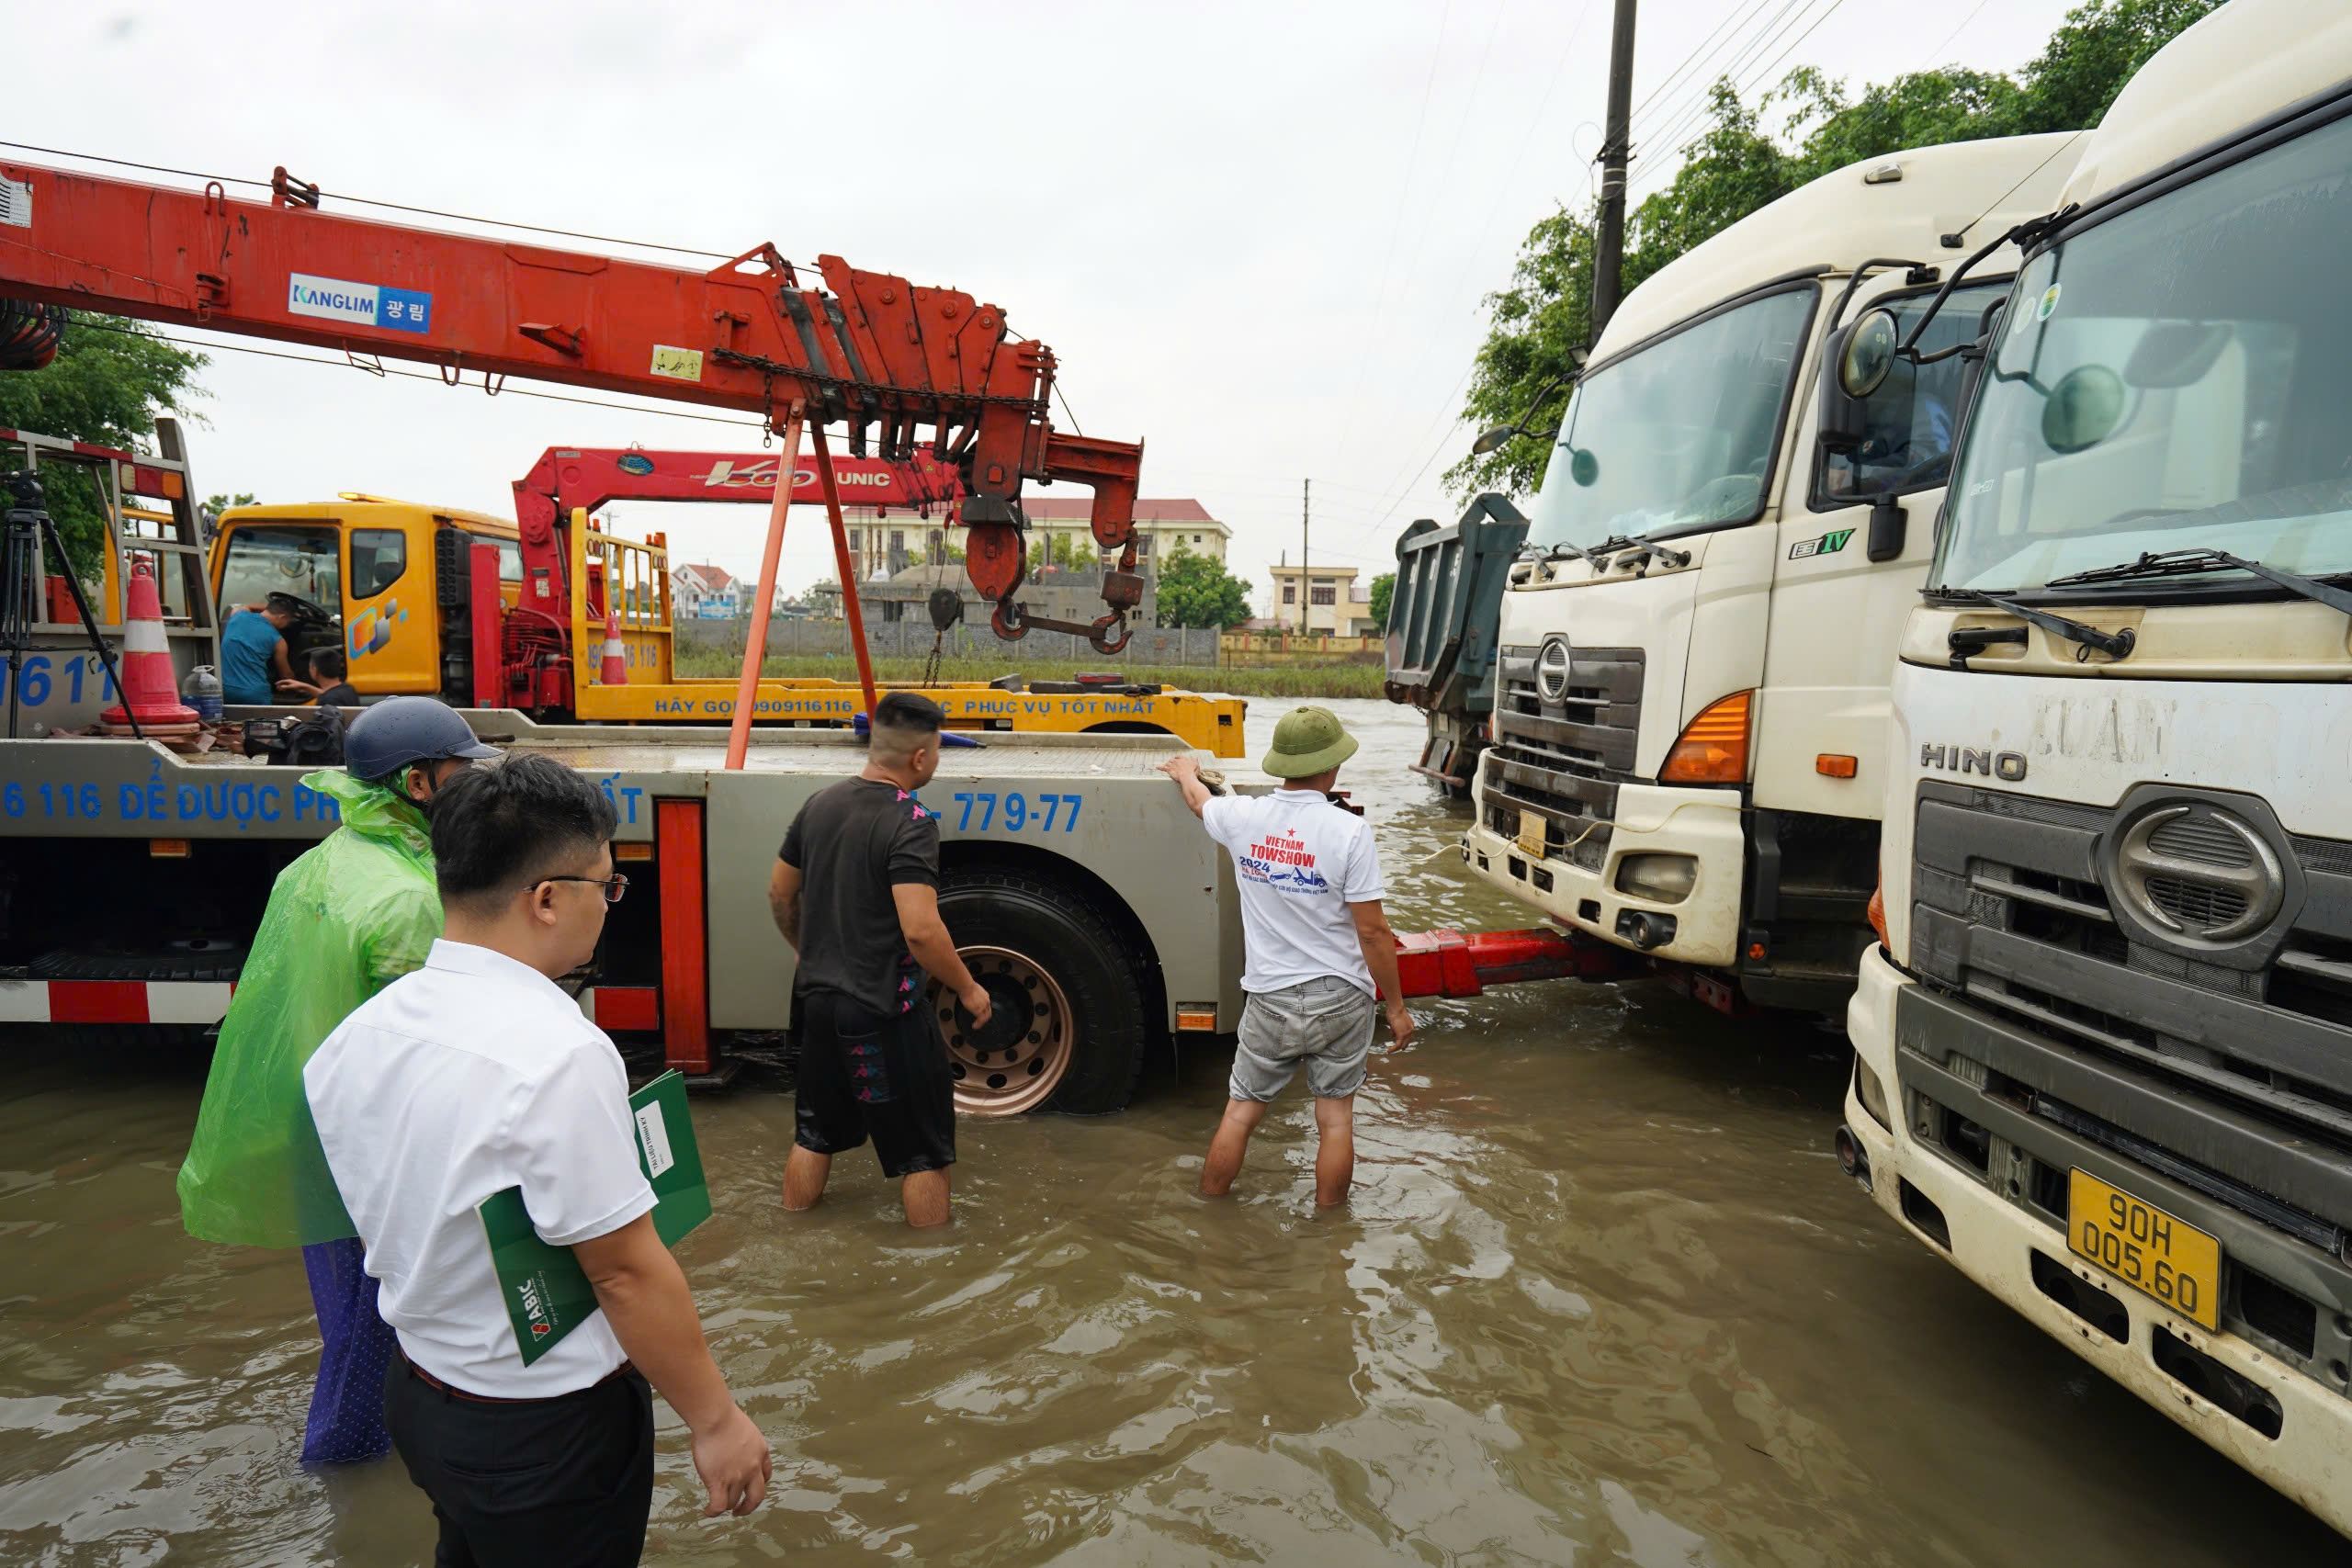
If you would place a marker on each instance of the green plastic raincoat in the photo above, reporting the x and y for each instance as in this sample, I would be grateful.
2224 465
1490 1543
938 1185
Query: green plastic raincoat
353 914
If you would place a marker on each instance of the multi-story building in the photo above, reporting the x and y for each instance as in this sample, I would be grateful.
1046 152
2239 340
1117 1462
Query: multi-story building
881 542
699 591
1335 603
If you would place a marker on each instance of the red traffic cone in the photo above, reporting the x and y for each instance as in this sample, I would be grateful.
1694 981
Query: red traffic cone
149 689
615 671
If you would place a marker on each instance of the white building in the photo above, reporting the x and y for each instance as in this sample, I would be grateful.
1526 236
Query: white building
699 591
1161 525
1334 600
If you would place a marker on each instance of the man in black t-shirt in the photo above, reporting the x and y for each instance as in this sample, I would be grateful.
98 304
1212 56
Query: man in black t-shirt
855 891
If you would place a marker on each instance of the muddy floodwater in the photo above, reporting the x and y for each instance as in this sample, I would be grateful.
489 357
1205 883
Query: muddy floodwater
1602 1296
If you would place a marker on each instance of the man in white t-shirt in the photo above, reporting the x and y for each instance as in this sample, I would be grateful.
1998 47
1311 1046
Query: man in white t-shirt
478 1073
1315 941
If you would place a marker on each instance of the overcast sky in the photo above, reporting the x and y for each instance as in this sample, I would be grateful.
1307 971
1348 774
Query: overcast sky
1256 235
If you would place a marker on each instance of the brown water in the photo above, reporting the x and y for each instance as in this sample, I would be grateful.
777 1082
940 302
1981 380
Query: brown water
1602 1297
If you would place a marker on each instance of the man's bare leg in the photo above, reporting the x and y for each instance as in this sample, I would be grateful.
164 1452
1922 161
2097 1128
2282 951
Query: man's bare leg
925 1194
803 1178
1232 1141
1335 1150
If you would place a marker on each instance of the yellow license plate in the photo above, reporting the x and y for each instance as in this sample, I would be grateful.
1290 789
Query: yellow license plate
1530 834
2144 1247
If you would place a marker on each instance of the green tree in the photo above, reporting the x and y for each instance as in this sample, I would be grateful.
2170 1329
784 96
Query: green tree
1736 166
110 380
1196 591
1383 588
217 504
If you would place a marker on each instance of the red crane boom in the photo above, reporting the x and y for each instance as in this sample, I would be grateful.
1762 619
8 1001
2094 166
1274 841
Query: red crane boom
907 369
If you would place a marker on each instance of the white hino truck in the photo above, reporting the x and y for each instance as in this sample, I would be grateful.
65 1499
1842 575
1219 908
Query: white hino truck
2104 1054
1688 750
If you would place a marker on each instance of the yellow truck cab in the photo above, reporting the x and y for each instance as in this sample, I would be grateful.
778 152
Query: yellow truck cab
372 567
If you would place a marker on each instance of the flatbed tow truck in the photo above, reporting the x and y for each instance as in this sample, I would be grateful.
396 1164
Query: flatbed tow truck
431 600
1073 880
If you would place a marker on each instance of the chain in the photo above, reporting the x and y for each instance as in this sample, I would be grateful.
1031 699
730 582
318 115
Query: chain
931 665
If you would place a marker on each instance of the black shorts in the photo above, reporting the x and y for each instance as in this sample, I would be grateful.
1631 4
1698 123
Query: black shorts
863 1075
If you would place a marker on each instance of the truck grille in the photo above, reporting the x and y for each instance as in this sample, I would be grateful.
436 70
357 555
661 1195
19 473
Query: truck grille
1561 759
2240 1051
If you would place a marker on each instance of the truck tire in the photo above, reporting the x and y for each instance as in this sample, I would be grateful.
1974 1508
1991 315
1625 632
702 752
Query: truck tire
1052 959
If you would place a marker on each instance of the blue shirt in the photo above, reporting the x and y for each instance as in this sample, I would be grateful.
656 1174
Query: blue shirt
247 643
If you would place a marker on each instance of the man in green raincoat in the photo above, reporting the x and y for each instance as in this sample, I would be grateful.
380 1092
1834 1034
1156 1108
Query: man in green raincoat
351 915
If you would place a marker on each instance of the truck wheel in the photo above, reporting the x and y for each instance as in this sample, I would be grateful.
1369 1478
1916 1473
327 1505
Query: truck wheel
1068 1031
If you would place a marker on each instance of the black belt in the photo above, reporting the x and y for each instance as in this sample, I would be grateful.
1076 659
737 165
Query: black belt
429 1381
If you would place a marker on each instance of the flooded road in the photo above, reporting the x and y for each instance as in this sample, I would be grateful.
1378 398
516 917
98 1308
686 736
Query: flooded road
1601 1297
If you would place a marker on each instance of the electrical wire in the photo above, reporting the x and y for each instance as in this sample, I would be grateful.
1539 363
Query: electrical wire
1396 220
1709 44
1774 64
371 202
1669 121
1693 123
1953 34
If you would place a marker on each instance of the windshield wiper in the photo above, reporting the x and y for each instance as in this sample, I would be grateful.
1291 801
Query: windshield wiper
1649 549
2175 563
1966 642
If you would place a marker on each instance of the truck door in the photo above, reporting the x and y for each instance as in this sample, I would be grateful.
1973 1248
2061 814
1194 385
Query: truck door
390 633
260 557
1836 614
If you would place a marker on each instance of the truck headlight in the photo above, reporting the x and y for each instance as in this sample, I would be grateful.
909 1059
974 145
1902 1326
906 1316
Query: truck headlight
1661 879
1870 1092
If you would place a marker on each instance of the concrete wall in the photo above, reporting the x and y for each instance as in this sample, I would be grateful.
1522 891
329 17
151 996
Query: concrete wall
912 640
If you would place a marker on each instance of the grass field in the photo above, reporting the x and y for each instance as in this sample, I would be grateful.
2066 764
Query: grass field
1283 680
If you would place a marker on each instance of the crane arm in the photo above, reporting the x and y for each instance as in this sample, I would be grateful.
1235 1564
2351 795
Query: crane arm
903 368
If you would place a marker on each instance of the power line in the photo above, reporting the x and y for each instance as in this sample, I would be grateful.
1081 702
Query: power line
1641 110
371 201
1404 188
1697 88
1953 34
1774 64
1695 113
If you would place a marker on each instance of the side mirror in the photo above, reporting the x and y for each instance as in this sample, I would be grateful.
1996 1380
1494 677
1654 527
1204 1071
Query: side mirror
1866 353
1842 427
2084 407
1493 440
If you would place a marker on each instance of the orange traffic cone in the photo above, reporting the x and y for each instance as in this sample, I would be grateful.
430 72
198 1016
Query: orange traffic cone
616 665
149 689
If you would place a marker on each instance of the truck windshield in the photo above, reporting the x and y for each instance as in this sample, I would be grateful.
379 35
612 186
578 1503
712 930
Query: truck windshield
282 559
2177 376
1677 436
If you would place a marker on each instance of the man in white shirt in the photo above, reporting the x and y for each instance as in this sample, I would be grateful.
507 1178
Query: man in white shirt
476 1074
1315 941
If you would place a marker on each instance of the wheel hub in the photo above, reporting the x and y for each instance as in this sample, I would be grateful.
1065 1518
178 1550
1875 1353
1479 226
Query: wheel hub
1015 1061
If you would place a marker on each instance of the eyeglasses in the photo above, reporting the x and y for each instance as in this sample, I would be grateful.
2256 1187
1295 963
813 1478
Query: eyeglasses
614 886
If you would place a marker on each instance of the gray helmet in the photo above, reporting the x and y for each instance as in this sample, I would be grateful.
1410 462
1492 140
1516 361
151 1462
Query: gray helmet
400 732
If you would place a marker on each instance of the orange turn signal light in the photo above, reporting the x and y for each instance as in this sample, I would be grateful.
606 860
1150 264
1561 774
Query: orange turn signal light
169 849
1200 1016
1876 913
632 852
1713 748
1831 765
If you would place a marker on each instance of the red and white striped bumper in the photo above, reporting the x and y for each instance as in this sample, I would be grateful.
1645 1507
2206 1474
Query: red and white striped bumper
113 1001
625 1008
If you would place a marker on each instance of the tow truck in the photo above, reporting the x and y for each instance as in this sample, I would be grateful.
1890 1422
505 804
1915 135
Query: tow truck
430 601
2103 1044
1074 881
1688 736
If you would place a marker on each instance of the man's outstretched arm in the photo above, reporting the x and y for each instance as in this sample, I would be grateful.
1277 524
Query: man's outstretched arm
1186 771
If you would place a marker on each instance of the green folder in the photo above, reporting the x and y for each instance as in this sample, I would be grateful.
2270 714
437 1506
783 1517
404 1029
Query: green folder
547 1295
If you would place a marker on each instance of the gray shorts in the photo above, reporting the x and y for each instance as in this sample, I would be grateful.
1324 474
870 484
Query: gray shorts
1325 1024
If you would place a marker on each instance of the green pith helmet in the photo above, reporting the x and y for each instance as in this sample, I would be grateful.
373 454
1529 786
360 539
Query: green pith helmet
1308 741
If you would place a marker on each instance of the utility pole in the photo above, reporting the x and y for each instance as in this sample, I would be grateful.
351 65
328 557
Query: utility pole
1306 588
1608 245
